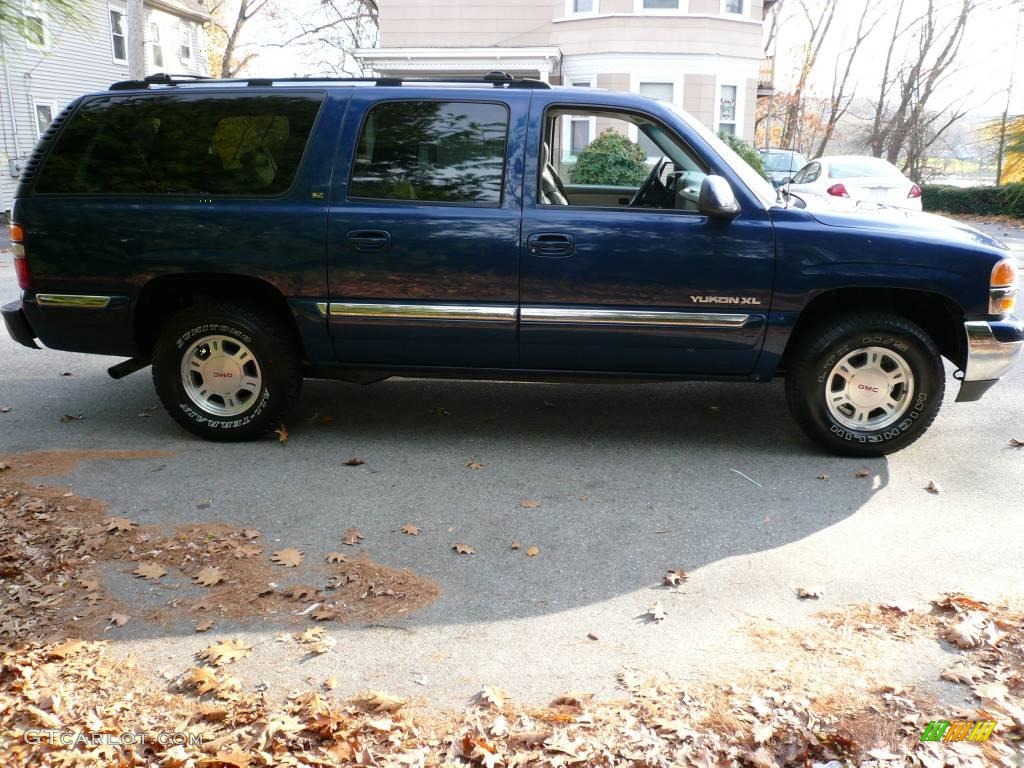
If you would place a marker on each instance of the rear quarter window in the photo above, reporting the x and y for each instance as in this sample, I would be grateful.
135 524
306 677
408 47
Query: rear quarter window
182 145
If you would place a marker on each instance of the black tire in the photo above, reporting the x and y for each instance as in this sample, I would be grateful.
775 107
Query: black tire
809 381
273 348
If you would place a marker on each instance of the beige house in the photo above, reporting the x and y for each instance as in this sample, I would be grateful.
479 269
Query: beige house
703 55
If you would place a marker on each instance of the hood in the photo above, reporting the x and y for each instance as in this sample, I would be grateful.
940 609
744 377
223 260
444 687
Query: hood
854 214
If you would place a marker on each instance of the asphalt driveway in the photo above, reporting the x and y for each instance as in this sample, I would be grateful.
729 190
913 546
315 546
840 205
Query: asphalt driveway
629 481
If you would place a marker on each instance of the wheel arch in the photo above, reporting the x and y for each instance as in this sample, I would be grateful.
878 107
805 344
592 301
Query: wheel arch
938 315
164 296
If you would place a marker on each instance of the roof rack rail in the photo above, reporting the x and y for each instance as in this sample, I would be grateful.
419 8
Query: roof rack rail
495 79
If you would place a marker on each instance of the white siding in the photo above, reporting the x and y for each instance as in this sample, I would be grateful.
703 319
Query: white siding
170 29
76 61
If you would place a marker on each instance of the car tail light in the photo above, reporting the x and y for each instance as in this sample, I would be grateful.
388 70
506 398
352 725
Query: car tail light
1003 288
21 269
915 191
838 190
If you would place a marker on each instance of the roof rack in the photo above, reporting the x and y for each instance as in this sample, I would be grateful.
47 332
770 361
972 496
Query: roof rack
495 79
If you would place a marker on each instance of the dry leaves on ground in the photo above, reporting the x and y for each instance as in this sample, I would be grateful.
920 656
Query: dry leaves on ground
225 652
282 435
675 577
473 464
289 557
355 461
656 613
352 537
529 504
150 571
933 487
209 576
410 530
463 549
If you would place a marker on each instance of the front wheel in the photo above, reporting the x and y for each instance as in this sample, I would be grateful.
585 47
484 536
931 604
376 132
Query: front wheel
225 372
865 384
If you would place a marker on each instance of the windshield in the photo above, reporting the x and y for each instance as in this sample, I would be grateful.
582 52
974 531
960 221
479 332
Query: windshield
783 161
754 181
856 167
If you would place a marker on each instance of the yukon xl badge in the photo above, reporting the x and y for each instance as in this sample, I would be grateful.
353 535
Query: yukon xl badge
724 300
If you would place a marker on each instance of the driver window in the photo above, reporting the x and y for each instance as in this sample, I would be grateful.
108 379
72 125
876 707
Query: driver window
605 159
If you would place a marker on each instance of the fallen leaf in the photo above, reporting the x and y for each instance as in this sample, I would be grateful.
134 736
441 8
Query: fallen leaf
1014 442
473 464
5 409
675 578
202 679
811 593
250 533
288 557
533 551
150 571
352 537
225 652
67 648
282 435
516 544
381 702
324 614
335 557
67 417
991 692
529 504
494 696
355 461
592 636
464 549
933 487
656 613
823 476
410 530
205 625
968 632
302 593
330 683
862 473
209 576
119 524
118 620
235 759
4 466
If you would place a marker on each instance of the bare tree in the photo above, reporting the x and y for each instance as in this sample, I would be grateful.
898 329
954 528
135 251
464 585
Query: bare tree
228 28
843 90
819 21
330 32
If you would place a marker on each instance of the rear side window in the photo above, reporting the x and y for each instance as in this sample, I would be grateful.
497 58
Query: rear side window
436 151
182 145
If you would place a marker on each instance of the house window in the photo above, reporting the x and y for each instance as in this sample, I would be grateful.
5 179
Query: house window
158 49
185 42
659 92
660 5
118 40
36 33
733 6
44 116
727 109
583 6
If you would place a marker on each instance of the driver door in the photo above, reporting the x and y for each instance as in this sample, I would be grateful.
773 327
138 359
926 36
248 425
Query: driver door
648 287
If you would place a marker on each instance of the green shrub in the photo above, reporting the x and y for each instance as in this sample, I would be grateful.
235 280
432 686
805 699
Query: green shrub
746 151
1007 200
611 159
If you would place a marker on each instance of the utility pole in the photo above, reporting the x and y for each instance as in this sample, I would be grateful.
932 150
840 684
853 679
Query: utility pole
136 39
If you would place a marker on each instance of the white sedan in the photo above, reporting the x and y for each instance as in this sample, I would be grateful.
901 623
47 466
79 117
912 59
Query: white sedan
869 179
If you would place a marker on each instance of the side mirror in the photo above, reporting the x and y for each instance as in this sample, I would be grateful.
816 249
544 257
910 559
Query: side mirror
717 198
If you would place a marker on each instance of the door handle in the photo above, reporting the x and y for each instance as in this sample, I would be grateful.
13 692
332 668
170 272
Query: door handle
370 240
551 245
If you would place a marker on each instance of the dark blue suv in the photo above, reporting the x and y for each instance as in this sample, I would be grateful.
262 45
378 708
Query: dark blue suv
242 235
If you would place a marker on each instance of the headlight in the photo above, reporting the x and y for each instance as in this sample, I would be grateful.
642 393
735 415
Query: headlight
1003 288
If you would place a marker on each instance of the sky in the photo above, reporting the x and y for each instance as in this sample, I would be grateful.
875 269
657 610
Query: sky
989 52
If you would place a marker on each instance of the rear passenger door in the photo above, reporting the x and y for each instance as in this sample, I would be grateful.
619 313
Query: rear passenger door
423 234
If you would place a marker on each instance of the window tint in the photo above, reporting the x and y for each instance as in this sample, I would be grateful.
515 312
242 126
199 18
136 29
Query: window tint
811 173
451 152
228 145
782 161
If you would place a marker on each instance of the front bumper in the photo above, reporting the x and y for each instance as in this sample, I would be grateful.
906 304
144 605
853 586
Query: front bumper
992 349
17 324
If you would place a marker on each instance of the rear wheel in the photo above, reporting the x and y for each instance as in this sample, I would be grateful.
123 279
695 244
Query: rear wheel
226 372
865 384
